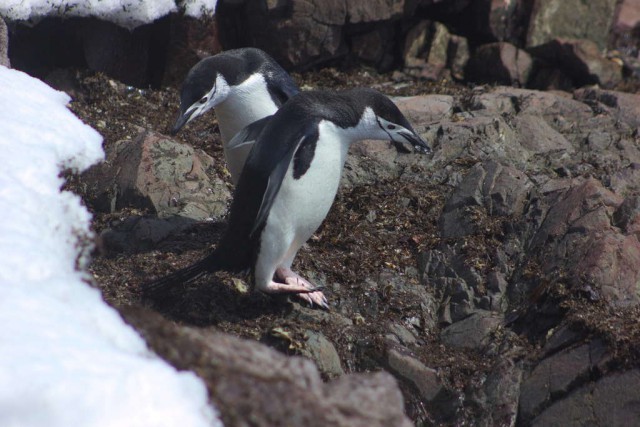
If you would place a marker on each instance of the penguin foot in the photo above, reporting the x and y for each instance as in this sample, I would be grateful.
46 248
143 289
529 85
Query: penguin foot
293 282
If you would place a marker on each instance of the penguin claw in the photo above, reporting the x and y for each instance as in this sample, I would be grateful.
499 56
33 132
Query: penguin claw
293 283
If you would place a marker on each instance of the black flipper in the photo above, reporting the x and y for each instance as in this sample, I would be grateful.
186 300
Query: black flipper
249 135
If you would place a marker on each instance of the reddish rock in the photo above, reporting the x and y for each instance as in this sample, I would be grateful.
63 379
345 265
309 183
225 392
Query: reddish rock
581 60
253 385
191 40
626 106
577 238
627 14
154 172
508 64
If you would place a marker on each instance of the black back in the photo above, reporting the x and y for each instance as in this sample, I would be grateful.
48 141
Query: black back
290 135
236 66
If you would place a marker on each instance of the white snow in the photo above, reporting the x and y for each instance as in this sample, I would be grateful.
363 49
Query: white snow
198 8
126 13
66 357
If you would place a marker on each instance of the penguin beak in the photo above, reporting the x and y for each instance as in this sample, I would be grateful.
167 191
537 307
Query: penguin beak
181 121
419 144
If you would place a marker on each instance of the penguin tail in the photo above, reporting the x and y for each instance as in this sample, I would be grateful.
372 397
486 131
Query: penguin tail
182 276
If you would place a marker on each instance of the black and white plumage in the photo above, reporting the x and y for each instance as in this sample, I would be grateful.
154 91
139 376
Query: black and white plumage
244 86
289 182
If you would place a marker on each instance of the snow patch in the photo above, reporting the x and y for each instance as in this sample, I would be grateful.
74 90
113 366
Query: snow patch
126 13
66 357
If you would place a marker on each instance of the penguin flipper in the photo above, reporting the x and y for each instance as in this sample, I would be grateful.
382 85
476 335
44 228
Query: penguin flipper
310 134
249 134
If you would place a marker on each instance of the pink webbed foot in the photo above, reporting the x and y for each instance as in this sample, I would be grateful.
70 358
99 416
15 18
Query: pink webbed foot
294 282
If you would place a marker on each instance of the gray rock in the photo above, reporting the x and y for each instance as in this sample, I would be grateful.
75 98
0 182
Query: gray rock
4 45
412 370
321 350
473 332
502 191
625 106
581 60
426 48
137 234
246 379
550 106
627 216
154 172
402 335
509 65
611 401
554 376
458 55
571 18
502 391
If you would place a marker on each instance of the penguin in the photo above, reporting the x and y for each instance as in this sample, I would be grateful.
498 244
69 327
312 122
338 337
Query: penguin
289 183
244 86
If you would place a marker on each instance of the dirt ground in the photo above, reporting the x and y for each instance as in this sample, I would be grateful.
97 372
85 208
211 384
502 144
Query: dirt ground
350 246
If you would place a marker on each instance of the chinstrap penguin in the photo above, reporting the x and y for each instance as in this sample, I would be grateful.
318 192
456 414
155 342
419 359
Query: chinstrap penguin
288 185
244 86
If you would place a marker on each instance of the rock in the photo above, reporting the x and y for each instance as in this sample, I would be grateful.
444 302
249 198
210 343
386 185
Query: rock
612 401
409 369
509 65
627 14
191 40
4 45
501 20
502 191
252 384
138 234
374 47
125 55
577 238
310 32
424 110
473 332
321 350
458 56
300 34
576 19
440 402
627 216
551 106
426 45
402 335
549 147
502 391
581 60
557 374
154 172
360 11
625 106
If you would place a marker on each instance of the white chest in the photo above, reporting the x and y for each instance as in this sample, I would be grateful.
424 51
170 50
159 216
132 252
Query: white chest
247 102
304 203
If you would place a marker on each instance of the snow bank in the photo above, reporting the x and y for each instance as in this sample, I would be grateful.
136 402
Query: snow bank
66 358
127 13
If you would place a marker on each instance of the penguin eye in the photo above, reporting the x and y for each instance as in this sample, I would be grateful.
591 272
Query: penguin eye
203 100
391 127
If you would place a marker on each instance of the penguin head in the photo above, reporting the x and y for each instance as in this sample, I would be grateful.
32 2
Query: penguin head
203 88
382 119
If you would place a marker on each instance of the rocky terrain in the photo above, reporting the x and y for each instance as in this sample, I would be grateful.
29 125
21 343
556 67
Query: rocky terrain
495 282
